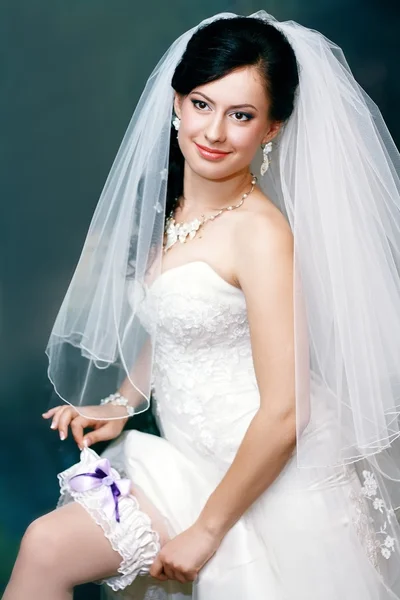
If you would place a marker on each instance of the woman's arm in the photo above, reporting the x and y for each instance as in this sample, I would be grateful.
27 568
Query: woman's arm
139 374
113 417
265 274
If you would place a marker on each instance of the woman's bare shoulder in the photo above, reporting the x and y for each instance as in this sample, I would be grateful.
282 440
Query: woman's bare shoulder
262 218
261 239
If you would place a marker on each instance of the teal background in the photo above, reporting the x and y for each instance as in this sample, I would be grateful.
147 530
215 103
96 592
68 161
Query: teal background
70 75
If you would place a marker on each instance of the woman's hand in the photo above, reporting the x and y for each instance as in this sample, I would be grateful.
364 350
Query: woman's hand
182 557
66 415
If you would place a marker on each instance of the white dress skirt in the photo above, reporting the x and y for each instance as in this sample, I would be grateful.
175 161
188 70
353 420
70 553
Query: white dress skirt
309 536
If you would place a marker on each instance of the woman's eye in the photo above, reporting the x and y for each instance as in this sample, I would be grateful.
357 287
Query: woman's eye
239 116
199 104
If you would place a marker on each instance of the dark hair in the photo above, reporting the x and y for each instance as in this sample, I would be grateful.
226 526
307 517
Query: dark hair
217 49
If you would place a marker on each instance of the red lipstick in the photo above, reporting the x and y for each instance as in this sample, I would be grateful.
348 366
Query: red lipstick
211 153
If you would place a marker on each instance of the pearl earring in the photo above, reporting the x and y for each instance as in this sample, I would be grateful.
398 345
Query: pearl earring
266 160
176 122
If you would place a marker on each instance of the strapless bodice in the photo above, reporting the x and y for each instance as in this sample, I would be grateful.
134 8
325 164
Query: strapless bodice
203 378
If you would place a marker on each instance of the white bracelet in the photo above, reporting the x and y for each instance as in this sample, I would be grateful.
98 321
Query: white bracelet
118 400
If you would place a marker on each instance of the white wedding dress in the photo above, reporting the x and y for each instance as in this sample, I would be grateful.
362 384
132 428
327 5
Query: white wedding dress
309 535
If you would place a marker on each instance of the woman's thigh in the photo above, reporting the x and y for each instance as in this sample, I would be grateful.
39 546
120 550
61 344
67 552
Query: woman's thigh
68 543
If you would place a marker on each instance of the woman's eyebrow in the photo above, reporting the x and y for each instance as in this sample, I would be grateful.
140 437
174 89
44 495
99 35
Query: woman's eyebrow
233 106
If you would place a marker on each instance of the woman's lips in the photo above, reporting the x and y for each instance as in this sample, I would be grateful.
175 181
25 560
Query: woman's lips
210 153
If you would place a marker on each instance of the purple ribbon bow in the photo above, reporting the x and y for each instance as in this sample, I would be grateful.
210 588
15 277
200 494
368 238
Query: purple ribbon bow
101 475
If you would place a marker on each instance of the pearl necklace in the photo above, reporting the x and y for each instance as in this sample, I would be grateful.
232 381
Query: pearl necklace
180 232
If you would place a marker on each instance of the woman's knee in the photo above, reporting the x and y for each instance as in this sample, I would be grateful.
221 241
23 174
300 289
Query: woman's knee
41 544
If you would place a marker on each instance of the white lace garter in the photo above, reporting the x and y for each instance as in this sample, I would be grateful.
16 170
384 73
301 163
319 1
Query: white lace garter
100 489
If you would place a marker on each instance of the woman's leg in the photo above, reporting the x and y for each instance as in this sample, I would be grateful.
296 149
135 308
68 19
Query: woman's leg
61 550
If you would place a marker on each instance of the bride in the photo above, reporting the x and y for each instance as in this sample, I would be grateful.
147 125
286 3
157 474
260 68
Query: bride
254 295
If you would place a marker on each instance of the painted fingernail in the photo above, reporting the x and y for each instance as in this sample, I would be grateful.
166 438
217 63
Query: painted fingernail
62 436
86 443
53 426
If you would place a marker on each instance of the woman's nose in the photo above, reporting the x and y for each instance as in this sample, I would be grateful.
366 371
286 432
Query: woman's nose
215 131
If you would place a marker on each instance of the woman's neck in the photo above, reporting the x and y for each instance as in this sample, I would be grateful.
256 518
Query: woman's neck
204 195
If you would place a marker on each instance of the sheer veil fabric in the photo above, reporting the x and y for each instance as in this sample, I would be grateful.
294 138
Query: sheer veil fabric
335 176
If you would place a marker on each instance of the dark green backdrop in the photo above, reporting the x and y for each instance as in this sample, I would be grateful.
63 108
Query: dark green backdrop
70 74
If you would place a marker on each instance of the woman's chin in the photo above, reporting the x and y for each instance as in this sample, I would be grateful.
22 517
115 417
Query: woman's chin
213 171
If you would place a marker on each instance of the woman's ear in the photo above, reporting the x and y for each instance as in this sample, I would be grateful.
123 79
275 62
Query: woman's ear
272 132
177 104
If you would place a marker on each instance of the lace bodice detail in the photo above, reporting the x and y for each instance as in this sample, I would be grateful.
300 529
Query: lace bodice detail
203 373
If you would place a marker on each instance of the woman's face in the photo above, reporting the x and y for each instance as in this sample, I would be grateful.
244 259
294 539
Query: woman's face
223 123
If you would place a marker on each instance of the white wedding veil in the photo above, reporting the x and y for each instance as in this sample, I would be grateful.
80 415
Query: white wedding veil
335 175
336 178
